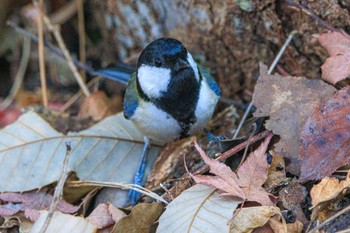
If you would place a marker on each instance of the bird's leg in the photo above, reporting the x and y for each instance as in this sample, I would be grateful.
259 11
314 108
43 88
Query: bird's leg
134 195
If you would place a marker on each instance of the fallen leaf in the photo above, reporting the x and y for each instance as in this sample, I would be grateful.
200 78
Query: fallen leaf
100 216
276 173
327 189
337 66
199 208
32 152
246 184
31 203
97 106
283 227
105 215
64 223
325 139
142 219
288 101
323 194
116 213
250 218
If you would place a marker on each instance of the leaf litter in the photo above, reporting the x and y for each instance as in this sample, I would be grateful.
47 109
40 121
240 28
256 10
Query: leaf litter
246 183
313 125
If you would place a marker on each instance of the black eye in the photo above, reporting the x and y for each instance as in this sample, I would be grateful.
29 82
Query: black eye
157 62
184 50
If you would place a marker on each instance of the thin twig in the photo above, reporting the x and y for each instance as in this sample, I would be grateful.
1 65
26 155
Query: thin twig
248 144
135 187
59 189
20 73
274 63
40 6
57 34
81 29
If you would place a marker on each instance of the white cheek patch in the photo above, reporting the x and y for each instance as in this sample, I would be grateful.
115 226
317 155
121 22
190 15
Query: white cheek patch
153 80
193 65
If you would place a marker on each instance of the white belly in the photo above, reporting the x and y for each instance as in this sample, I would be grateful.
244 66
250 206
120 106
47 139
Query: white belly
155 123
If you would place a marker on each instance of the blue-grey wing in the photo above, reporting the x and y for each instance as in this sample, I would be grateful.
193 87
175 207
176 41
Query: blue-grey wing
131 97
207 77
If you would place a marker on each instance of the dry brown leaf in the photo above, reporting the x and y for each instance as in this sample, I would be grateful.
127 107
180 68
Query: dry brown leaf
327 188
325 139
141 219
97 106
327 191
337 66
277 172
252 217
282 227
31 203
288 101
246 184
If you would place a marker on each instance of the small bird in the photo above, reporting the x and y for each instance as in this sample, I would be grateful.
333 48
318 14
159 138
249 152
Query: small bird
169 97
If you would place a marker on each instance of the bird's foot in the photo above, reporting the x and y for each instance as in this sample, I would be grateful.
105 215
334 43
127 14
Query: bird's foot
133 195
215 139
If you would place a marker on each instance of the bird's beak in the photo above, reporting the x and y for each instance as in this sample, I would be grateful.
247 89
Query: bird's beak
181 64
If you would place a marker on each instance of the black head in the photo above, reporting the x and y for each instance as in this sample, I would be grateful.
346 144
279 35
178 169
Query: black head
164 53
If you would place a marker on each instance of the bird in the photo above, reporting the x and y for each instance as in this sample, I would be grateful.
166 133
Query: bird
169 96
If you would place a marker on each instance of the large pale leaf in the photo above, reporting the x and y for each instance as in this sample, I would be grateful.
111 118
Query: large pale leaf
32 152
198 209
62 223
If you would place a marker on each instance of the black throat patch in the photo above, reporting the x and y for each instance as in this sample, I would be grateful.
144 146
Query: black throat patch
180 99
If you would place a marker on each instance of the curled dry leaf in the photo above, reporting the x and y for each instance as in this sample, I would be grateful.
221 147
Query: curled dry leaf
288 101
325 139
337 66
246 184
327 191
250 218
279 226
